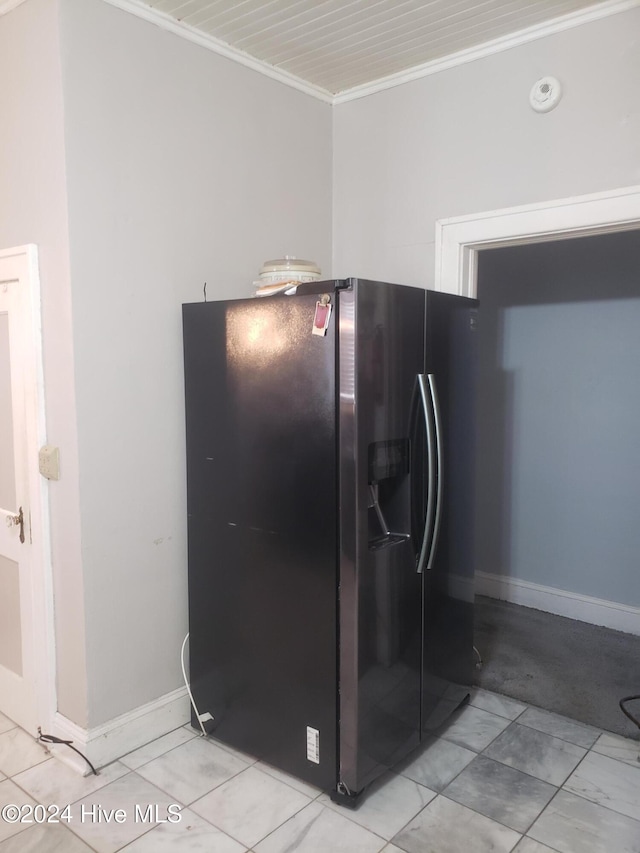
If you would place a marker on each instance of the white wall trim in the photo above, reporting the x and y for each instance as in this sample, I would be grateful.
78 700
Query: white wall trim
43 594
584 608
458 240
110 741
42 640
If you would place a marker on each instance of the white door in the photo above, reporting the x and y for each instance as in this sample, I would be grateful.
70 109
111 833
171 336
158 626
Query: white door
19 557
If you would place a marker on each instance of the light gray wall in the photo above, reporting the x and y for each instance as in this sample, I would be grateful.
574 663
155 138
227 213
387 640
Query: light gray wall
559 415
183 167
466 140
33 209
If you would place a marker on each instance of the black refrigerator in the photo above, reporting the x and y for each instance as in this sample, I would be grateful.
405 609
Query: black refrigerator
329 440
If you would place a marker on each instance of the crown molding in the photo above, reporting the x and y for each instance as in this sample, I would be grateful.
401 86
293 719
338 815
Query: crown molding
166 22
8 5
529 34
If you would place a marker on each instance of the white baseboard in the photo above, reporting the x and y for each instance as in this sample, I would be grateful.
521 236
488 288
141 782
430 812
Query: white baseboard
597 611
110 741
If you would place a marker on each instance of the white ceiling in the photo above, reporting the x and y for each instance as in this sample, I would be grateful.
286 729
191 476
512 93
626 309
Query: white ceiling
336 46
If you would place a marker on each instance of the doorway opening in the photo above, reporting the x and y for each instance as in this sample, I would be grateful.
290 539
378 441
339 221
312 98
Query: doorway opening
460 244
557 462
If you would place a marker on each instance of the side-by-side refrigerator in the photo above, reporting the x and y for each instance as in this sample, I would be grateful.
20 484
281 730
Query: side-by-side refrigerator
329 487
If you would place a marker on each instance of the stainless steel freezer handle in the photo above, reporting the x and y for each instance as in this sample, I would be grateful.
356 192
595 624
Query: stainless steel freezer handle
440 472
426 394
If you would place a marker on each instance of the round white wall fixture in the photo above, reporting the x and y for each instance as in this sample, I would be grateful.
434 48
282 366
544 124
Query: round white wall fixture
545 94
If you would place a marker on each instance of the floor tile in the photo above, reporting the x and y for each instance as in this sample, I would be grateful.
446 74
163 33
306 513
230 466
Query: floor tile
447 827
10 794
473 728
572 824
512 798
192 834
562 727
316 829
93 817
388 805
623 748
192 770
6 724
303 787
19 751
437 763
145 754
528 845
541 755
495 704
45 838
444 797
250 806
607 782
53 782
243 756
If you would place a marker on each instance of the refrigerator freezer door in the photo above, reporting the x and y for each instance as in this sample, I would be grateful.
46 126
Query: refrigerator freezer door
261 471
381 352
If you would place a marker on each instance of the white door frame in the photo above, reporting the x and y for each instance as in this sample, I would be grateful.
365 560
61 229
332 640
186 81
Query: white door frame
21 263
458 240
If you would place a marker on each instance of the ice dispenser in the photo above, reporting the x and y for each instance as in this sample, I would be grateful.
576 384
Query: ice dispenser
388 479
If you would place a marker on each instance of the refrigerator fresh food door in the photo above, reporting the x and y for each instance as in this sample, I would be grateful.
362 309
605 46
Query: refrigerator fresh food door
448 569
261 471
381 352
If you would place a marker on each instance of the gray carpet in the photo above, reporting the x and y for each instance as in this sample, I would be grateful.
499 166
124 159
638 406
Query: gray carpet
572 668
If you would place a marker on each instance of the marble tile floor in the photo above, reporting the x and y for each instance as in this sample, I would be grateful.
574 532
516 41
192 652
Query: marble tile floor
499 776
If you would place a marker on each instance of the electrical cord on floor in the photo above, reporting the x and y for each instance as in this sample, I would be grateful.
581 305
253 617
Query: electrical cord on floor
628 713
44 738
186 684
52 739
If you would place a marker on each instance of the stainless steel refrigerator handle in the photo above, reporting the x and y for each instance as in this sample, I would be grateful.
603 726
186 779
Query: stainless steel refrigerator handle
431 461
438 422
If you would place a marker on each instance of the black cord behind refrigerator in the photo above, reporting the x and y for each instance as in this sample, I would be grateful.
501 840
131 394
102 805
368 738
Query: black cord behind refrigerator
628 713
69 743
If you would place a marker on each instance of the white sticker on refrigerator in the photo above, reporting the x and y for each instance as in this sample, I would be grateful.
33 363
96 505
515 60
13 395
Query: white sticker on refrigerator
313 745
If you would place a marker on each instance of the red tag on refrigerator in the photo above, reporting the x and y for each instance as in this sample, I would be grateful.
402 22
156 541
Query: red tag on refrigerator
321 318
